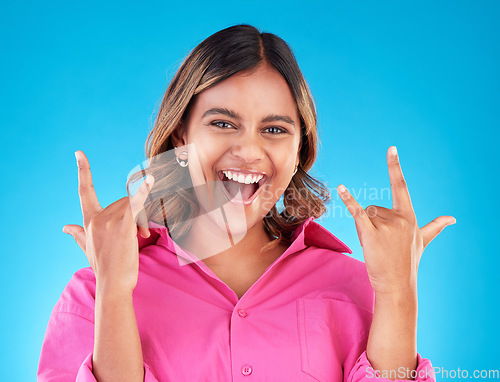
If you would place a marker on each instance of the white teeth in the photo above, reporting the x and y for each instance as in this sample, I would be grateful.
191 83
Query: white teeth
241 178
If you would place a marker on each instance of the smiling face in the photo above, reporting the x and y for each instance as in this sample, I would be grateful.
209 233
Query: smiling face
246 134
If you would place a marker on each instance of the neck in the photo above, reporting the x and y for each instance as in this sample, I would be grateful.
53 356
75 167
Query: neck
216 248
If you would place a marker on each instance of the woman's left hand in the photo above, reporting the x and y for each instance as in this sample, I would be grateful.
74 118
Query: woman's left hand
391 239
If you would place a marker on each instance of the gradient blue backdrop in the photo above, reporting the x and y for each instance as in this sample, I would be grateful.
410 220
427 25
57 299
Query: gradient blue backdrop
422 76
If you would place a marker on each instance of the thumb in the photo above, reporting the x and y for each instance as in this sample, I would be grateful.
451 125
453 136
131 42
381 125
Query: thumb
78 234
434 228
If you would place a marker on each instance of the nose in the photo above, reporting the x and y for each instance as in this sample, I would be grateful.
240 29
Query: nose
248 147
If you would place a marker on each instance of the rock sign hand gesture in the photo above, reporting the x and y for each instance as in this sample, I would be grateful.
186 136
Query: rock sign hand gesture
109 236
392 241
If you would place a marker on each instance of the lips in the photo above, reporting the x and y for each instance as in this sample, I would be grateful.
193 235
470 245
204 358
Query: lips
248 190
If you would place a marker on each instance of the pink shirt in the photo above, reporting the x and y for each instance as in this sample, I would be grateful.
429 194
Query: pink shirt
306 318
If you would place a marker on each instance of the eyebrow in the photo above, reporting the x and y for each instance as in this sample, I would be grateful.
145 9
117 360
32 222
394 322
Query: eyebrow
232 114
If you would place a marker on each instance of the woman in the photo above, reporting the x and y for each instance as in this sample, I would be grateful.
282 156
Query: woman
220 285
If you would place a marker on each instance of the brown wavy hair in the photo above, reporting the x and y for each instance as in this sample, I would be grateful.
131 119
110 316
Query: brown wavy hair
241 47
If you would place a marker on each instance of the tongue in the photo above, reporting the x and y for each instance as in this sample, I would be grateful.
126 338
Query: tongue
233 187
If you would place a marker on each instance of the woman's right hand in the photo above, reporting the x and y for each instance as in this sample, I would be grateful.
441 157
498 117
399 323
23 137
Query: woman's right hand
109 236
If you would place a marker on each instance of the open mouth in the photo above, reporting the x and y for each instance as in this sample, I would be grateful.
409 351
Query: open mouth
247 185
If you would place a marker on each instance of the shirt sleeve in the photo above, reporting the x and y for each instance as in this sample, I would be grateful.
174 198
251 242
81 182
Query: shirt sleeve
66 353
85 372
363 371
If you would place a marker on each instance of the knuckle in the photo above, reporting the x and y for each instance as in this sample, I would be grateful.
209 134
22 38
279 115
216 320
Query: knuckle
385 228
438 226
371 211
359 211
82 166
400 183
401 222
85 187
395 162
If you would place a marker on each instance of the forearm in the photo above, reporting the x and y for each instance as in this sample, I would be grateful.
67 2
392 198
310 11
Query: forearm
117 346
392 343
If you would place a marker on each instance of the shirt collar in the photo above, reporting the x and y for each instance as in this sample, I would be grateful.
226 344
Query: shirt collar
310 233
307 234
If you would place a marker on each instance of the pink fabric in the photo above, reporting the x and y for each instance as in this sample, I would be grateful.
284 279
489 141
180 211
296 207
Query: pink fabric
307 318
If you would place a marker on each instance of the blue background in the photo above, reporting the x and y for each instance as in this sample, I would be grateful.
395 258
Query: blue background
422 76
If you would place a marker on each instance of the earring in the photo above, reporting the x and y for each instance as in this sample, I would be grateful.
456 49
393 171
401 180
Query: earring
182 158
295 171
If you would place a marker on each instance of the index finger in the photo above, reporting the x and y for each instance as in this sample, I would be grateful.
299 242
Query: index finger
88 198
400 196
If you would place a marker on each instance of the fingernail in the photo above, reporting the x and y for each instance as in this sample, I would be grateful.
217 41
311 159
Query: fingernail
76 156
149 180
342 189
394 150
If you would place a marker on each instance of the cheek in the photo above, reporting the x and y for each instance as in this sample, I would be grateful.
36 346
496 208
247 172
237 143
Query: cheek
209 150
284 165
212 147
283 159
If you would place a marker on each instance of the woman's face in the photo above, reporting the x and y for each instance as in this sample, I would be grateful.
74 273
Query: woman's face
246 135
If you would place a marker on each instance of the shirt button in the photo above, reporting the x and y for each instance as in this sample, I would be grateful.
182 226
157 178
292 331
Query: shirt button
242 313
246 370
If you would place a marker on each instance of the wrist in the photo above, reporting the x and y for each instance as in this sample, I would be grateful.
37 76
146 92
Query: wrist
403 301
112 291
396 290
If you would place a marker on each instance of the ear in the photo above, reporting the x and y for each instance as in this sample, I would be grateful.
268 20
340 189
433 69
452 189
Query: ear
179 135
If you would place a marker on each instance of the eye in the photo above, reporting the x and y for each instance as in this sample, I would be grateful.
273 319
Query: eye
274 130
222 124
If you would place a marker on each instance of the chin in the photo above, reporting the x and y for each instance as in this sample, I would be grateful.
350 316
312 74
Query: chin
233 211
